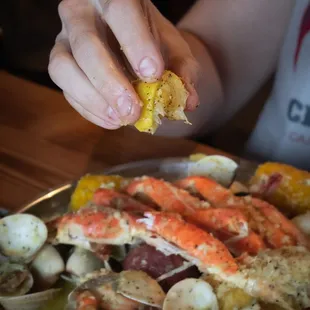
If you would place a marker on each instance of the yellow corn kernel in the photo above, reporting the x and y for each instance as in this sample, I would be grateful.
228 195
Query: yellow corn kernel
88 184
165 98
291 195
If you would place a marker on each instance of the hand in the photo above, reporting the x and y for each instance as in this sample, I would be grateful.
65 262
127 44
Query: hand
104 45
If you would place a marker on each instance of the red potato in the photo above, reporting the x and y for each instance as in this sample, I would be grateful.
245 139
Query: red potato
155 264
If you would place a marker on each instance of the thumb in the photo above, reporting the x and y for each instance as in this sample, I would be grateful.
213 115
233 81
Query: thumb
188 69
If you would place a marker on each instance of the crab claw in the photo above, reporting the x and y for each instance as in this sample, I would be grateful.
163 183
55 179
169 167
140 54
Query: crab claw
119 201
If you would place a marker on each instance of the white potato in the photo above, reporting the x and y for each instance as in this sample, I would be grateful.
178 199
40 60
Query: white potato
22 236
220 168
194 294
303 222
47 267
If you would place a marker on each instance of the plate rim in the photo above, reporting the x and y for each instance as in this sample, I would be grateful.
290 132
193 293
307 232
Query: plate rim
51 192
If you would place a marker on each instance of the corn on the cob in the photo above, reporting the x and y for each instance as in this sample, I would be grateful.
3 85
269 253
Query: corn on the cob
88 184
284 186
164 98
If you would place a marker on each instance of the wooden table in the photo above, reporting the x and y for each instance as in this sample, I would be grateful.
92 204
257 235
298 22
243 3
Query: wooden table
44 142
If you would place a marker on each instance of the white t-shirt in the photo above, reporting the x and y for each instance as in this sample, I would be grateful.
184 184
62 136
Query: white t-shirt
283 129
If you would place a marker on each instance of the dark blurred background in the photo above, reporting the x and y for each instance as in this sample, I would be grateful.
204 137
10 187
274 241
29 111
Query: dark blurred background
29 28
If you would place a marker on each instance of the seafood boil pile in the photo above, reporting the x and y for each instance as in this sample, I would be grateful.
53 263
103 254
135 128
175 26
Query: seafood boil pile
198 242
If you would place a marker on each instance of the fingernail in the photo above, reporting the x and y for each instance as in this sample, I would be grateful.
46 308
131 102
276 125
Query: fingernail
124 105
113 115
147 67
193 99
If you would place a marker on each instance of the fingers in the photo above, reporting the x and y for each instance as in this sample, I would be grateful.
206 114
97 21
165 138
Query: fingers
186 67
89 115
92 76
95 60
69 77
131 26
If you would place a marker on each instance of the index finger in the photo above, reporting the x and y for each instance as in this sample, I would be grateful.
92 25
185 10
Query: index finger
131 23
94 58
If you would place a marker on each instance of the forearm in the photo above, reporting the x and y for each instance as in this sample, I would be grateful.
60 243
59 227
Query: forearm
243 39
237 49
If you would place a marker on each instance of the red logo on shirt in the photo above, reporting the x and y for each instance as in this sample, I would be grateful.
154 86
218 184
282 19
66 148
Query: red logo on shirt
303 30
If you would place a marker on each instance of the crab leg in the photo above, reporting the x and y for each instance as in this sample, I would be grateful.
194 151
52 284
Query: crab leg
206 250
87 301
165 195
264 218
211 218
224 223
279 220
250 244
229 221
221 197
109 226
96 225
169 198
119 201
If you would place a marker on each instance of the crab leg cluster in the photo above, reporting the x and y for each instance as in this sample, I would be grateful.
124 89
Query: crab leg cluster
206 232
227 224
103 225
275 229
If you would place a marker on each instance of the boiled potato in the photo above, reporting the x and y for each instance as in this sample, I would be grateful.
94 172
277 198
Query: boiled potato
270 307
303 222
191 293
229 298
235 299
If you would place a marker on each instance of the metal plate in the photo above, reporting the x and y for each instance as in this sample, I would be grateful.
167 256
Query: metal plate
55 201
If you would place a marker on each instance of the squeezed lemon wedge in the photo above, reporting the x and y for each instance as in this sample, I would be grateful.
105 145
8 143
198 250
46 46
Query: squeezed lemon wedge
164 98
